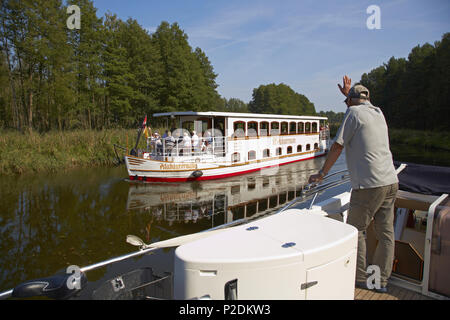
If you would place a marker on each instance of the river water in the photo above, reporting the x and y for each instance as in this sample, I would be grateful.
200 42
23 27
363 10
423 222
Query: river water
51 221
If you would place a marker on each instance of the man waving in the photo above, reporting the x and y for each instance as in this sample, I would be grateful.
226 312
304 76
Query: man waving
364 135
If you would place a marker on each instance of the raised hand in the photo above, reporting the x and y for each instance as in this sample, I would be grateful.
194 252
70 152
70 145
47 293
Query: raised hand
347 82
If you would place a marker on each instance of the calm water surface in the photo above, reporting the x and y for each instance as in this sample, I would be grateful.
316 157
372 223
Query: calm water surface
48 222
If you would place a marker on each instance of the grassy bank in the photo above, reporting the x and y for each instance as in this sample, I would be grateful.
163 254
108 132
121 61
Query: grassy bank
56 151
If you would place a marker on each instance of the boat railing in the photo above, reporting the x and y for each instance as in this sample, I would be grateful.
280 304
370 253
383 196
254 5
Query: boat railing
188 147
315 188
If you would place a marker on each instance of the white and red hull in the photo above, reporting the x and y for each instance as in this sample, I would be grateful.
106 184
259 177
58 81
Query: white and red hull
147 170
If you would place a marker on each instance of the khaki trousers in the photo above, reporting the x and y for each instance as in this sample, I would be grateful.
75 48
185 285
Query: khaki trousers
376 204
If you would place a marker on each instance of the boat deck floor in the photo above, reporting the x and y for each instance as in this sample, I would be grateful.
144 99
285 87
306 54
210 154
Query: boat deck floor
394 293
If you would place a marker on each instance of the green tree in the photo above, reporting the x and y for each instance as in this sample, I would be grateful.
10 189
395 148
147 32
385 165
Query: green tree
236 105
5 112
187 79
35 44
208 96
173 90
280 99
439 91
118 75
87 48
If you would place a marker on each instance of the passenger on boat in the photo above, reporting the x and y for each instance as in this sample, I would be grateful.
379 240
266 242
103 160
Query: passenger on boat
195 143
149 140
207 136
158 144
169 142
203 148
187 144
364 134
153 143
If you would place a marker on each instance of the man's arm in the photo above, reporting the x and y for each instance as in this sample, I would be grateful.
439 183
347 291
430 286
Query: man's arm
333 155
336 148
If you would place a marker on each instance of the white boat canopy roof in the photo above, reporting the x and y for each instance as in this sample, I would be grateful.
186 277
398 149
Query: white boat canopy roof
236 115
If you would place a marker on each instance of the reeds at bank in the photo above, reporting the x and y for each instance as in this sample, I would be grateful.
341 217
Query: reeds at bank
55 151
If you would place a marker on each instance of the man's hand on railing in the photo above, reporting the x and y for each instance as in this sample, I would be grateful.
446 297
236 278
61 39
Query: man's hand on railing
315 178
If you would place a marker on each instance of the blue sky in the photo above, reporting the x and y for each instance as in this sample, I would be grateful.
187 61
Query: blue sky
308 45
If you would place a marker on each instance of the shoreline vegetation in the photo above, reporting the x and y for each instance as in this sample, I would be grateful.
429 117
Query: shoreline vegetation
56 151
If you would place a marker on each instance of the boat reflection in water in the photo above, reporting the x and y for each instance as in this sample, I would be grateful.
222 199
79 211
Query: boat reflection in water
185 208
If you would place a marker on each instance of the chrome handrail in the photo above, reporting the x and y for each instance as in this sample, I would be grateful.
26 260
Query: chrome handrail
314 188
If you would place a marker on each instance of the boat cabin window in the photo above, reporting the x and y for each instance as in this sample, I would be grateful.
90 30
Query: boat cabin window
299 148
252 129
251 183
308 147
308 127
264 129
239 129
292 128
316 146
314 127
274 128
236 189
301 128
289 150
266 153
252 155
279 152
284 128
235 157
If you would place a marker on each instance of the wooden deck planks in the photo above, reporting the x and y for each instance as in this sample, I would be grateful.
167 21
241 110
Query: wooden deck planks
395 293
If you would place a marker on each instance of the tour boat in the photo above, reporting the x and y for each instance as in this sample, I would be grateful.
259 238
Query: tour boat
213 145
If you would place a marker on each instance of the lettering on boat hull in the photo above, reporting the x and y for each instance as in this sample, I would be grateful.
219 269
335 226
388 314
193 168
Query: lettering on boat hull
184 166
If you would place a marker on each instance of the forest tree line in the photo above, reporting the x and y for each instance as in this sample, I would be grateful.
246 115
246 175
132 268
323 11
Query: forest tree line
110 73
414 93
107 74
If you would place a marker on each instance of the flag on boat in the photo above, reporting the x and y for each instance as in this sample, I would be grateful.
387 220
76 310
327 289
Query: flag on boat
146 132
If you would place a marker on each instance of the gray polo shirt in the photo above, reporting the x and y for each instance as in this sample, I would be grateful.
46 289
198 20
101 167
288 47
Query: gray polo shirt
364 135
